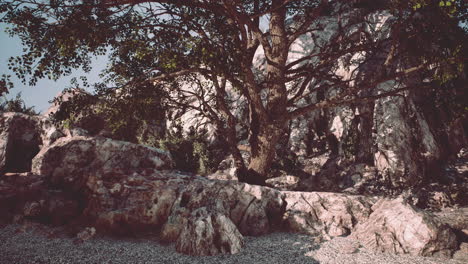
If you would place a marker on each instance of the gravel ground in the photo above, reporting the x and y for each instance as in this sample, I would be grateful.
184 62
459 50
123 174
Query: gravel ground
33 245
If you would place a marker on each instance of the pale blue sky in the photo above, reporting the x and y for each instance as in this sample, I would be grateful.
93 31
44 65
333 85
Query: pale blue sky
45 90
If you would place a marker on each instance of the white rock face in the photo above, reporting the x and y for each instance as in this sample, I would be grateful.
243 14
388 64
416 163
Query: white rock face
397 227
209 234
326 214
405 144
63 97
70 157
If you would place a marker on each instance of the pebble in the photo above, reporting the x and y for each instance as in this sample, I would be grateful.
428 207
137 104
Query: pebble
30 246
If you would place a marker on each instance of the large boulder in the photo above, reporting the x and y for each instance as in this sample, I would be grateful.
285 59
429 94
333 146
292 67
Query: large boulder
325 214
407 150
397 227
70 159
21 138
187 209
209 233
123 188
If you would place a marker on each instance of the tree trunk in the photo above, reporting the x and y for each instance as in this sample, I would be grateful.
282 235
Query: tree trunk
268 121
262 154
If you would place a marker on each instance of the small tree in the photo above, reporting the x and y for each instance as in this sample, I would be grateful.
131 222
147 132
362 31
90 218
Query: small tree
16 104
213 47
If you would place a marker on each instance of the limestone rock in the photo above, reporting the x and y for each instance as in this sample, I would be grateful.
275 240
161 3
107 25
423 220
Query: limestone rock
286 182
462 253
27 195
21 138
19 142
16 189
326 214
224 175
70 159
209 234
339 175
396 227
86 234
123 189
183 206
62 98
255 210
457 219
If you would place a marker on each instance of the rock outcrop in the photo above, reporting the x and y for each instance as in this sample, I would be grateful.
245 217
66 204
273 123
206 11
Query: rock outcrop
325 214
121 187
396 227
208 233
27 195
70 159
21 138
117 187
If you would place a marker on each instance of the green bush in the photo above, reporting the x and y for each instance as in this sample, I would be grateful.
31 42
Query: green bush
192 152
16 104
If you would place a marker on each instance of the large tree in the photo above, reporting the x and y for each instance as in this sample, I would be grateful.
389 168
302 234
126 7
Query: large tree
202 52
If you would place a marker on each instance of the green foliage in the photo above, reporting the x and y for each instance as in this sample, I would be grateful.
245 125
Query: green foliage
192 152
433 34
16 104
5 84
124 114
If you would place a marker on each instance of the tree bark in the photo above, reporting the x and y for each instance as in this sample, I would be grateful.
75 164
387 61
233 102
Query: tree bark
267 123
264 153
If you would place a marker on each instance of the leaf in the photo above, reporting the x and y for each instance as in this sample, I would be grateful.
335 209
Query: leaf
441 3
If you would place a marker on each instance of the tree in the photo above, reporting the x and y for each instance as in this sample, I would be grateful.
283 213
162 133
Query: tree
213 47
16 105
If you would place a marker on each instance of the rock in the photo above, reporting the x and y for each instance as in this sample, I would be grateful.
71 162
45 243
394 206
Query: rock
77 132
20 141
172 202
129 203
71 159
204 217
407 139
398 158
227 169
314 164
456 218
339 175
255 210
86 234
21 138
325 214
32 209
397 227
27 195
224 175
462 253
16 190
49 132
209 233
62 98
285 183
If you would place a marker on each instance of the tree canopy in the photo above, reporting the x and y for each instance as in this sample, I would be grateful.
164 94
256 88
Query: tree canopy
276 55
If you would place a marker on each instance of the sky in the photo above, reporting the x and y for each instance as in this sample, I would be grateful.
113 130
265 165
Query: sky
45 90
